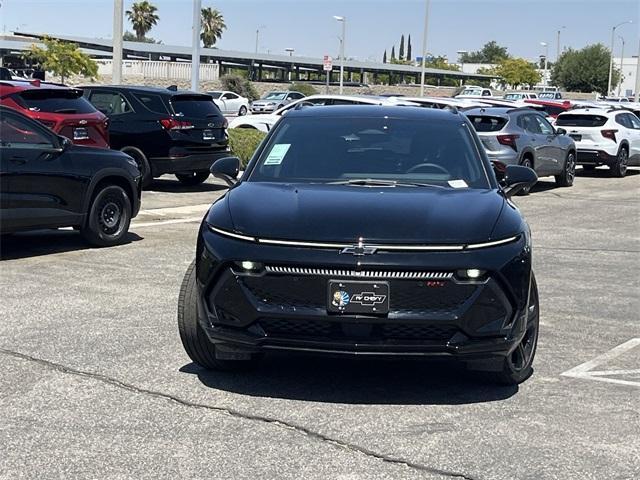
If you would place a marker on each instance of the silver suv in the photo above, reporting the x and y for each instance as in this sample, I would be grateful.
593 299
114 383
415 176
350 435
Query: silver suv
522 136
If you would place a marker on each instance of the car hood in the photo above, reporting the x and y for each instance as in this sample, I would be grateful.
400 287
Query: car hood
339 213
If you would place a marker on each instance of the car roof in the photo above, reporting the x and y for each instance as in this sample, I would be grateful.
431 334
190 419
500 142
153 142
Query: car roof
504 111
145 89
593 111
376 111
20 85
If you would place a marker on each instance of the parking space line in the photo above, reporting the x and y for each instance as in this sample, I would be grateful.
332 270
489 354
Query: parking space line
166 222
586 370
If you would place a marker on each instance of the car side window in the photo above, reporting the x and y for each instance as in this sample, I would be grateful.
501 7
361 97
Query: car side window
15 132
109 103
152 102
529 124
545 127
229 96
634 121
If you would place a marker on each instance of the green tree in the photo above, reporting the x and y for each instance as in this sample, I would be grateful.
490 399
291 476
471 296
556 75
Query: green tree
304 88
240 85
491 52
384 57
393 53
585 70
212 26
63 59
516 72
132 37
401 50
142 17
409 57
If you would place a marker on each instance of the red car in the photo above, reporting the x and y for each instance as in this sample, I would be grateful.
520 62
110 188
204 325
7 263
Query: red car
60 108
552 108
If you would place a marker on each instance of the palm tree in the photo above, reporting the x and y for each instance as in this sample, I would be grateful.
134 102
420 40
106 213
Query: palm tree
142 17
212 26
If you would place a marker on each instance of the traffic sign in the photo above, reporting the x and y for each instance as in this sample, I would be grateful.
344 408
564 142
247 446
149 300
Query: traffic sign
327 63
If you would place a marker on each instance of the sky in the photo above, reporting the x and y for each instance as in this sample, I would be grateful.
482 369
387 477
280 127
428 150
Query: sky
308 26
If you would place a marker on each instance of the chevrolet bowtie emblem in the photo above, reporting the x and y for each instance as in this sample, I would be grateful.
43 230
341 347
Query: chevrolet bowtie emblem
359 250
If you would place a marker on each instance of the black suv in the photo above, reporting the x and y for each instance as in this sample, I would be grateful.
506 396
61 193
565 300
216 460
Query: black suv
164 130
48 182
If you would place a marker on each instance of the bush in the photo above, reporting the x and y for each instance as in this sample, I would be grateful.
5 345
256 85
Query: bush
243 142
239 85
304 88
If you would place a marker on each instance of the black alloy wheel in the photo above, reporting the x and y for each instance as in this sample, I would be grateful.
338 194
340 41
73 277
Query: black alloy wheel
619 168
565 179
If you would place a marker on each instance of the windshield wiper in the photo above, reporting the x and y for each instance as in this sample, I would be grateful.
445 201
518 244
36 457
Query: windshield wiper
365 182
381 183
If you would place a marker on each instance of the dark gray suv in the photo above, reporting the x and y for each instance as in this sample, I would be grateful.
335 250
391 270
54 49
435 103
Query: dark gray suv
523 136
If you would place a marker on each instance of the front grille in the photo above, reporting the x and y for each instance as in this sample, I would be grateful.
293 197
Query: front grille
377 274
326 329
406 296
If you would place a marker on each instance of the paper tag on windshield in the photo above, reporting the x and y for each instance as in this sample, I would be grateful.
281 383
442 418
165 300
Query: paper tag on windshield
277 153
458 184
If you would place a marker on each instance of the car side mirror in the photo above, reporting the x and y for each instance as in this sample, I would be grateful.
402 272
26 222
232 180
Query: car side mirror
561 131
227 169
517 177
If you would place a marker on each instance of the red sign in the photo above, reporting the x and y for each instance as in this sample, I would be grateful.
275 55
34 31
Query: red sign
328 63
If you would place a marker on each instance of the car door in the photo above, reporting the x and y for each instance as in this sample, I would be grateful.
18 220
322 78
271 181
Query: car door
231 103
41 186
553 149
115 106
534 138
633 125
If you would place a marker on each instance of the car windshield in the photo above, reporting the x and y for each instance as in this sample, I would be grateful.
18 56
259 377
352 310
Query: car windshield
513 96
55 101
472 91
194 106
215 95
547 95
371 151
575 120
485 123
274 96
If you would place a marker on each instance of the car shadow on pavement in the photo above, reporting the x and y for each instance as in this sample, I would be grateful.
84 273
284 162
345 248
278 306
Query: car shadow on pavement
604 172
46 242
174 186
357 381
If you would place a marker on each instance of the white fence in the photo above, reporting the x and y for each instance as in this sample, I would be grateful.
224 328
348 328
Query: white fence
159 69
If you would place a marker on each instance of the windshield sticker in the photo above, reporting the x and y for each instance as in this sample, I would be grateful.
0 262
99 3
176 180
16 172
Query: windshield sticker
458 184
277 153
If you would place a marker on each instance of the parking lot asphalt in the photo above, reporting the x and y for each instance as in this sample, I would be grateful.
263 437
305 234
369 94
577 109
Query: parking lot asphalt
95 383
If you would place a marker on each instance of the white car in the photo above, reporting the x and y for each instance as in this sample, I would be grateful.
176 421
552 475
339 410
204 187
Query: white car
474 92
604 136
230 103
264 122
519 96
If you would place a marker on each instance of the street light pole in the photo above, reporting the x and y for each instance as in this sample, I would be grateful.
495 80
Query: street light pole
195 45
621 60
116 62
613 34
637 93
344 29
460 54
424 46
558 43
546 58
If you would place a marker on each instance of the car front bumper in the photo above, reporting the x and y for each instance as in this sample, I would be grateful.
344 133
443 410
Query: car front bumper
244 314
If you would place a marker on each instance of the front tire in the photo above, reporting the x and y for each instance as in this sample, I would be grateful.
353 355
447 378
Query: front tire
619 168
194 340
565 179
518 365
192 179
109 217
243 111
526 162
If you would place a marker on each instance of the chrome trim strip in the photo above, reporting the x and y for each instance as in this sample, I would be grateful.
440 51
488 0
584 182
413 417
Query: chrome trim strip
491 244
413 248
226 233
330 272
